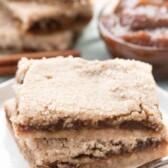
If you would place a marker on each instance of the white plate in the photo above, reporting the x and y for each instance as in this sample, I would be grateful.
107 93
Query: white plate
10 157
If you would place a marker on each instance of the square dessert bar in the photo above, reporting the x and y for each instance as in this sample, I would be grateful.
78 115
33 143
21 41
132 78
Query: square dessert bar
70 112
72 94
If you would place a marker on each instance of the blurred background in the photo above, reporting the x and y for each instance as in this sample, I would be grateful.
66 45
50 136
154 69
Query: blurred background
31 26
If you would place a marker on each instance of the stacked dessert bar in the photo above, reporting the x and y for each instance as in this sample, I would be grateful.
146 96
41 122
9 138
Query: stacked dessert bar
69 112
45 25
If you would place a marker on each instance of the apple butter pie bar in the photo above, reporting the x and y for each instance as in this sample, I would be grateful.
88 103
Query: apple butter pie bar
70 112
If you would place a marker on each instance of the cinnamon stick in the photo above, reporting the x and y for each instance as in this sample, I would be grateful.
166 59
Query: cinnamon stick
13 59
8 70
8 64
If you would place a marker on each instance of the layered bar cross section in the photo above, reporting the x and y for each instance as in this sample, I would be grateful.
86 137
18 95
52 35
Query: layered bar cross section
70 112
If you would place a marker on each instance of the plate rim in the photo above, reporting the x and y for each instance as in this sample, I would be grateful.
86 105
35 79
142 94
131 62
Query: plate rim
7 83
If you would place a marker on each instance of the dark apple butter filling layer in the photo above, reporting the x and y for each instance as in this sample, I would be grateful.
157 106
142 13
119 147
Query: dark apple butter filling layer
78 125
56 24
